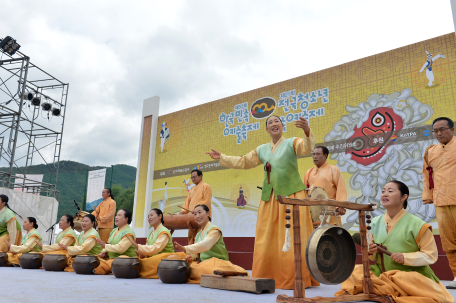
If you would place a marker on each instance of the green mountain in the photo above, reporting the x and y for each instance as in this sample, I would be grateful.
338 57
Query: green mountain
72 179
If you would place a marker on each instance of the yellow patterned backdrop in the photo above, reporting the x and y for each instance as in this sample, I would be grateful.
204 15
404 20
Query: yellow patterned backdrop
345 94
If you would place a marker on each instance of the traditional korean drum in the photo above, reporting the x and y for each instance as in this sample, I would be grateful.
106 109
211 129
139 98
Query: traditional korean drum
3 259
126 268
330 254
55 262
78 219
173 271
175 222
30 260
84 265
317 193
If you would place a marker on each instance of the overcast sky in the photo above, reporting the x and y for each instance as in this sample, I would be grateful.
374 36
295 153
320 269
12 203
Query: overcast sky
115 54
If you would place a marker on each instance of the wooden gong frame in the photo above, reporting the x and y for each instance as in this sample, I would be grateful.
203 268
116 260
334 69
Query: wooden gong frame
298 285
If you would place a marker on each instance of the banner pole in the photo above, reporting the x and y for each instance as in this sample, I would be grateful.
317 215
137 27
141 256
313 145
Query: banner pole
85 191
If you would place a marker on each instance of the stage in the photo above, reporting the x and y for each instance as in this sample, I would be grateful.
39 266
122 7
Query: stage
21 285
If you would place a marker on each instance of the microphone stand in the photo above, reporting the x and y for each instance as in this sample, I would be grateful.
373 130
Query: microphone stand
52 232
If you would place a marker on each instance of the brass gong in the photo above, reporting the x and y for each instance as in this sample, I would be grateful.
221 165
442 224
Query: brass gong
330 254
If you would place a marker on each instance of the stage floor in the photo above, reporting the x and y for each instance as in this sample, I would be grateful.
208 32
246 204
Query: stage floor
20 285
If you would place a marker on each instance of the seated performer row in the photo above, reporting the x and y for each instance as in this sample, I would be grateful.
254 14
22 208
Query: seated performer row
210 245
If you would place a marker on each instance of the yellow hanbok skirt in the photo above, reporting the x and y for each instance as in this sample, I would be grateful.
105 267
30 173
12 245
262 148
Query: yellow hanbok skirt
269 261
6 237
404 287
208 266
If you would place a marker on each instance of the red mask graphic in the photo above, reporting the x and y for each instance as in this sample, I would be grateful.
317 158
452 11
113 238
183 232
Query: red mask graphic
374 136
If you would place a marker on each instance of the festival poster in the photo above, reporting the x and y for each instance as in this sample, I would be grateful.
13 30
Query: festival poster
95 185
373 114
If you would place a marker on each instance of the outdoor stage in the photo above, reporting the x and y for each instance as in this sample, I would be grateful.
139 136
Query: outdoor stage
41 286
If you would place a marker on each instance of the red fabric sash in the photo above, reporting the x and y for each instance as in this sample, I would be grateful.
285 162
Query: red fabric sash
431 181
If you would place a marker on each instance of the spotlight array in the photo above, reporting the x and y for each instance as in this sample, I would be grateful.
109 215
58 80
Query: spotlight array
9 45
35 100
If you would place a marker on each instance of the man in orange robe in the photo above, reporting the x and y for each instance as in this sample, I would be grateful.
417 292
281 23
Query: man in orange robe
439 186
104 213
201 193
327 177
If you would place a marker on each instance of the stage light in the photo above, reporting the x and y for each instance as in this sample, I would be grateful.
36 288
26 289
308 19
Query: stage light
9 45
36 101
55 111
46 106
27 96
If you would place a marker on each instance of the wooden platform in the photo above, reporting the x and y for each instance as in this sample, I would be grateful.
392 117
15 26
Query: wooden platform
236 283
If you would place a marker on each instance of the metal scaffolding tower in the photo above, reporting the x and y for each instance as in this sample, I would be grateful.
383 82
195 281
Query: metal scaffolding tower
32 116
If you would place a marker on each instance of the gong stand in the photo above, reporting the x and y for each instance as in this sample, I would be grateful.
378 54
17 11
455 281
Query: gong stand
298 285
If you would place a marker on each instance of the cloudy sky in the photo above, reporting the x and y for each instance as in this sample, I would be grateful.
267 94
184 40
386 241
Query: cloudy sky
115 54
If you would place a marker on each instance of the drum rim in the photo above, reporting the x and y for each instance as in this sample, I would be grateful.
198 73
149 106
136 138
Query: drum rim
315 187
55 255
126 258
85 256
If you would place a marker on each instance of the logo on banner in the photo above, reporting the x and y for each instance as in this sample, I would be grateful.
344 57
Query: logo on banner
374 135
263 108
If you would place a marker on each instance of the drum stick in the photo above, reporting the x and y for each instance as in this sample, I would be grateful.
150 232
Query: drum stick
183 208
357 239
384 251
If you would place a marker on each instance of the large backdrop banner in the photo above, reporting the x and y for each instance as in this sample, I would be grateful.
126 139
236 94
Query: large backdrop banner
373 114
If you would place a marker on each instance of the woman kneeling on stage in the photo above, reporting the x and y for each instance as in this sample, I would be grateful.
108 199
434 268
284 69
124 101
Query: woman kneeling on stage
209 244
406 275
10 229
86 243
159 246
66 237
119 243
28 242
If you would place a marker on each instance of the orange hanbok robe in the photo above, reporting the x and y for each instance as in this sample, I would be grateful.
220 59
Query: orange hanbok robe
330 179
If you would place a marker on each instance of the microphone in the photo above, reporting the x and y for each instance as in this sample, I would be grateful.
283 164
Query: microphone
357 239
52 226
260 187
77 206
